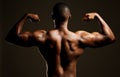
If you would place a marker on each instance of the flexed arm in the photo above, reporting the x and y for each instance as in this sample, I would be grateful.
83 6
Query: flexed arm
16 35
104 26
97 39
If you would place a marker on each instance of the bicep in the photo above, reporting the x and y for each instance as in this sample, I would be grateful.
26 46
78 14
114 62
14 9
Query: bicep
94 39
26 39
23 39
32 39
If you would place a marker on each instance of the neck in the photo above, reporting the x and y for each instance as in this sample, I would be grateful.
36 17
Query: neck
61 25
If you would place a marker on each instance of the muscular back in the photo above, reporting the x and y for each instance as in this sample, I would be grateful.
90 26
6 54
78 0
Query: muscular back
61 50
61 47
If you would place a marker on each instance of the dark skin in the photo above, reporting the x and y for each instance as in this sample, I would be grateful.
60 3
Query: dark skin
61 47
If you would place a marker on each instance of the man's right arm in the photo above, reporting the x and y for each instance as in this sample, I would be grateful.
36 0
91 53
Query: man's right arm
16 36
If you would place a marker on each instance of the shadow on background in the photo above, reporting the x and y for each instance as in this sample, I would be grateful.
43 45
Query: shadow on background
27 62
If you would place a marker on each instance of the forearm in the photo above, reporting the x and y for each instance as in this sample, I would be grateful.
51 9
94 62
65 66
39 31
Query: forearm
105 28
20 24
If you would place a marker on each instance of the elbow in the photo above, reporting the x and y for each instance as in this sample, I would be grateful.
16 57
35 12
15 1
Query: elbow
112 39
7 38
11 39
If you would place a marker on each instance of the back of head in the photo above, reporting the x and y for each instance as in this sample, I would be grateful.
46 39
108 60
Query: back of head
61 11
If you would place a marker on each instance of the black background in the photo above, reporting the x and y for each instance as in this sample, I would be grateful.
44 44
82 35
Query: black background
19 61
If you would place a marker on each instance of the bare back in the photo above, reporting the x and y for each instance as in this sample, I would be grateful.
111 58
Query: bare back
61 47
61 50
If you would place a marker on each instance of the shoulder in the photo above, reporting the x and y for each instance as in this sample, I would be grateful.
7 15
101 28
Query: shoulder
40 35
53 35
82 32
39 32
52 32
87 35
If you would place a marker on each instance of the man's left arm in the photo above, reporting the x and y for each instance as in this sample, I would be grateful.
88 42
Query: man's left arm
97 39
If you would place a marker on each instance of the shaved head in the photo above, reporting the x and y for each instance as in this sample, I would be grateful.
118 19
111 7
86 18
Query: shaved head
61 11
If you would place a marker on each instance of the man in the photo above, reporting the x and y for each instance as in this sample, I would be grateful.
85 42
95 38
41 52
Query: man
61 47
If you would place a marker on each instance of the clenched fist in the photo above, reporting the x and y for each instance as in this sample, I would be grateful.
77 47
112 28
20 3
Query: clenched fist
90 16
33 17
